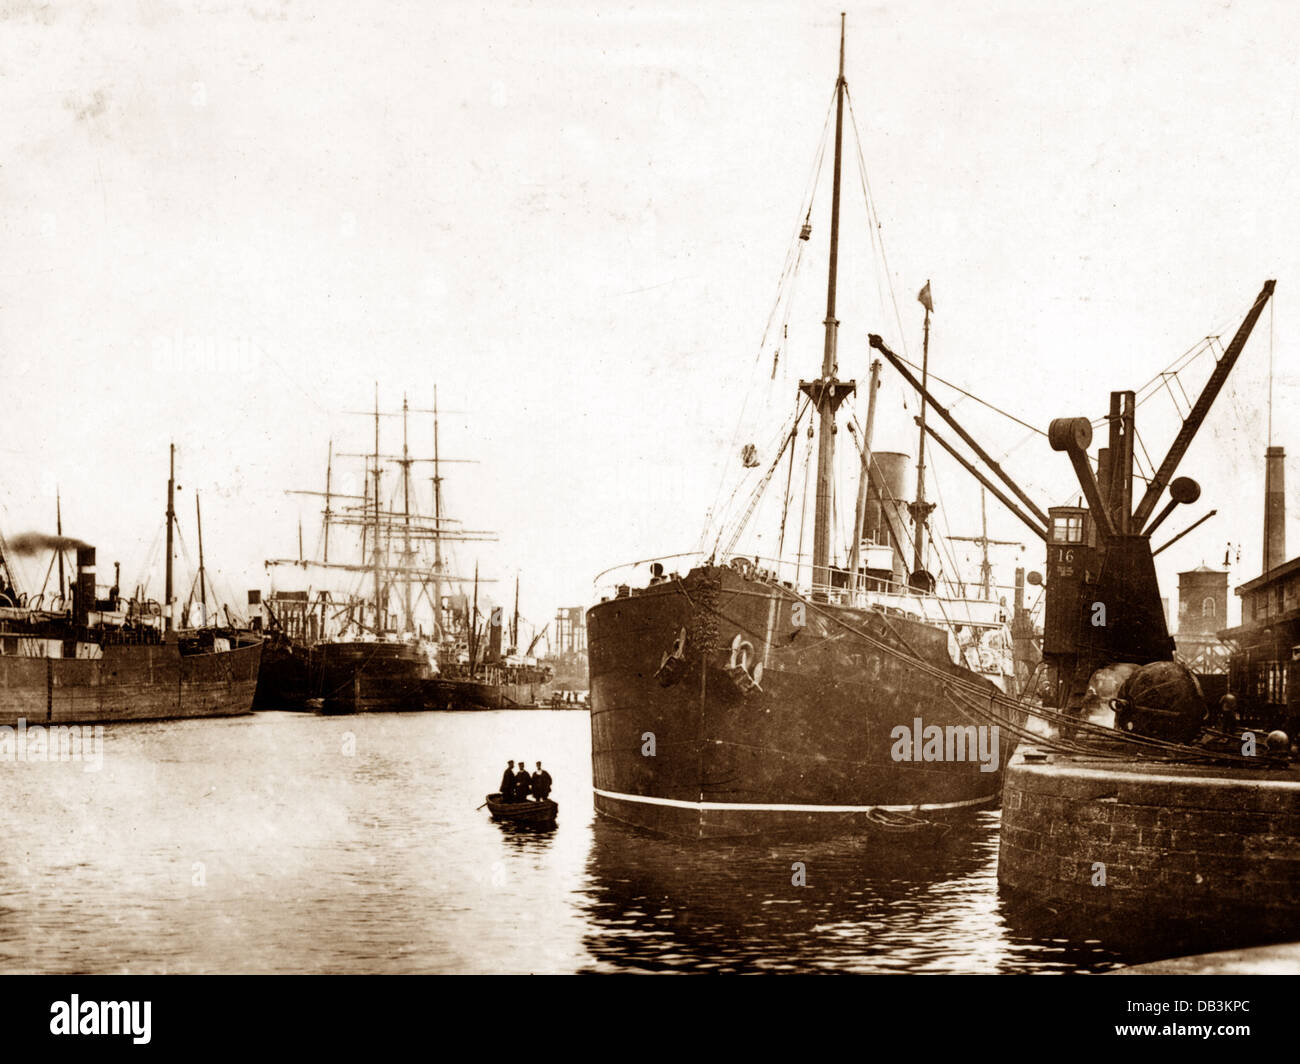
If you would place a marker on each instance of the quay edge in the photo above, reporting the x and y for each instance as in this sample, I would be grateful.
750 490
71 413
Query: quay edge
1196 855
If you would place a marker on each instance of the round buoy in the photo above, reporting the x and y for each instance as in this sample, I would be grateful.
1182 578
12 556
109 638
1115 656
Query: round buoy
1162 701
1278 740
1103 688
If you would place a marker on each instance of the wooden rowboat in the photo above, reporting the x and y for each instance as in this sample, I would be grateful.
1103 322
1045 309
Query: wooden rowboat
536 814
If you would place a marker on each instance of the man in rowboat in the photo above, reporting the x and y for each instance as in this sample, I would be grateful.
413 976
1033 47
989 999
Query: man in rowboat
541 783
508 783
523 784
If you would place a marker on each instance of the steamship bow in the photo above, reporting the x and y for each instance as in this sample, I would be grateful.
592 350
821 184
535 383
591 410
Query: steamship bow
760 723
734 701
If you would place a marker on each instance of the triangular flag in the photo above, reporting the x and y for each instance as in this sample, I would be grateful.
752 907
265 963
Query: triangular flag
924 297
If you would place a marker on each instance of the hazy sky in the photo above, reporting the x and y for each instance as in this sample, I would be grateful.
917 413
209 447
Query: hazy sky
224 223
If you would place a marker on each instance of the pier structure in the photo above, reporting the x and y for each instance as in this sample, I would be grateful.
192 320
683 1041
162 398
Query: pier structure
1145 816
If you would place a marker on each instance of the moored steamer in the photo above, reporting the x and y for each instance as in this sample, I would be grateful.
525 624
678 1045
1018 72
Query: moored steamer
741 699
82 658
763 724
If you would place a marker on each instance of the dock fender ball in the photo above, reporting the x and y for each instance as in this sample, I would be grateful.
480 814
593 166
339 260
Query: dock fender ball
1161 700
1103 689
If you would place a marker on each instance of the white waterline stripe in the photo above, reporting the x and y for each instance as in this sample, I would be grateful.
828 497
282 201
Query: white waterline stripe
779 807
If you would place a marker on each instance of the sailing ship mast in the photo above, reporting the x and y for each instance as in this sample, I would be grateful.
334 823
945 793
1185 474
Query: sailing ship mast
514 627
329 469
407 624
379 606
919 508
171 520
401 530
984 543
58 529
437 525
203 595
473 628
827 392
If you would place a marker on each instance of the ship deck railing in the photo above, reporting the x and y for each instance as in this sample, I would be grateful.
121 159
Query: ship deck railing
879 593
979 634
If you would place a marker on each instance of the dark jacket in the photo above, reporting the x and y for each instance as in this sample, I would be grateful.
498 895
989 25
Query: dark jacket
541 784
523 784
507 785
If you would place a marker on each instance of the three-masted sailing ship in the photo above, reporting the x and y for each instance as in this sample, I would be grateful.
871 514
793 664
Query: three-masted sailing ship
88 654
408 635
735 699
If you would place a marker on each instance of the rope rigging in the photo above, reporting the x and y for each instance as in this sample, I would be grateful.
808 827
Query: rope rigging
783 299
981 705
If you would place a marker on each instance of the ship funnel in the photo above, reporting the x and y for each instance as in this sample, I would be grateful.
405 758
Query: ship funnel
1274 509
886 512
84 600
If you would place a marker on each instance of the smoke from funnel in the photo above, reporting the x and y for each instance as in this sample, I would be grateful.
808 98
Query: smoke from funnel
31 542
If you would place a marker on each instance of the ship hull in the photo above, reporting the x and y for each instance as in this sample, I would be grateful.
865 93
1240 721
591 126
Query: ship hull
129 682
369 677
472 694
284 677
685 749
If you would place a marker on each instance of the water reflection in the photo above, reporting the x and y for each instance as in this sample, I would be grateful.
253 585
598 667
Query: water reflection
285 842
868 906
1124 935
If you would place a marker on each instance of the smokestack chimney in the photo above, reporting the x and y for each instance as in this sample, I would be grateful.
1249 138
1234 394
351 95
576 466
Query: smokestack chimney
1274 508
85 598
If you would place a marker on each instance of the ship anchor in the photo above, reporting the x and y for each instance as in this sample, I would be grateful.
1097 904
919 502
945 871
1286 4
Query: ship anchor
738 667
673 662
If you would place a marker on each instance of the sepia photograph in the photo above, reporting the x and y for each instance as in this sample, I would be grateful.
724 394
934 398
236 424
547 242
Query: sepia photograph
552 488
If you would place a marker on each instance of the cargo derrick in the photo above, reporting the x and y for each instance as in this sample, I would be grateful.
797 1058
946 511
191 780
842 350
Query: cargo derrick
1104 627
1103 609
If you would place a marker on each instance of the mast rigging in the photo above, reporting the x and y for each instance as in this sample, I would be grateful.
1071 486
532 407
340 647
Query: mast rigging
827 392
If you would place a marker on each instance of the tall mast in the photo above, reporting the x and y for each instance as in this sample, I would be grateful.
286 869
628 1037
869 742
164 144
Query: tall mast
408 626
986 565
329 468
514 627
473 628
58 528
827 393
203 595
437 523
920 508
171 519
379 606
